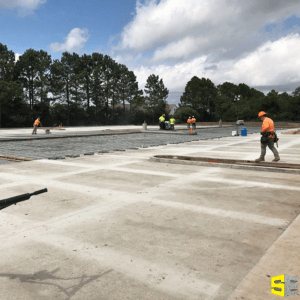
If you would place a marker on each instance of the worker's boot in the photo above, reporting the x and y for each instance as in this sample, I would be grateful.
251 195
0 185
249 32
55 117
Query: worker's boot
277 158
260 159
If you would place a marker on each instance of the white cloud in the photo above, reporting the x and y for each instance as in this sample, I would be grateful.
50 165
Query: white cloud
25 7
174 77
17 56
74 42
273 64
180 30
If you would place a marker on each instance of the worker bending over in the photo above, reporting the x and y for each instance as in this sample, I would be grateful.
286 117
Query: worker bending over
36 123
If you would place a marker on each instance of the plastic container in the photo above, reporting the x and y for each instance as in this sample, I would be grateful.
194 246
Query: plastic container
167 125
244 131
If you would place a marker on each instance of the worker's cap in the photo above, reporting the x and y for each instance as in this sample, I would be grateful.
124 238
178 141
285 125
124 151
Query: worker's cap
261 114
164 115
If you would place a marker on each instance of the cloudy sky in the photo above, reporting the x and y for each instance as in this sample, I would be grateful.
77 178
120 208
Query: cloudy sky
253 42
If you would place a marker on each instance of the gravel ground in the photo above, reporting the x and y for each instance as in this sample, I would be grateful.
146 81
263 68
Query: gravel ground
72 147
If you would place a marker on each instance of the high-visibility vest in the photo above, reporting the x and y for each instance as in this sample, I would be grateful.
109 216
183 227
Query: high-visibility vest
36 122
172 121
193 120
189 120
268 126
161 119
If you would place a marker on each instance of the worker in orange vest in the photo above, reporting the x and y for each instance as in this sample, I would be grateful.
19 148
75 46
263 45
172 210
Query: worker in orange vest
268 137
193 122
189 121
36 123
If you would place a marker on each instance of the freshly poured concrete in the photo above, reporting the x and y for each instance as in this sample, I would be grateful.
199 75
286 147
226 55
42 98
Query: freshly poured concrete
118 226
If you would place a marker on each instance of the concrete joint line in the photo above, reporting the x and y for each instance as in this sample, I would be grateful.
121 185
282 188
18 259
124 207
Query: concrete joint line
86 167
246 183
251 218
282 255
175 283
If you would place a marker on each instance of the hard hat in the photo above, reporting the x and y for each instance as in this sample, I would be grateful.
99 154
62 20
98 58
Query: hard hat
193 117
190 117
261 114
163 115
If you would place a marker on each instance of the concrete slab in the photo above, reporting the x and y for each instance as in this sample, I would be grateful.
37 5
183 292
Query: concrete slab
118 226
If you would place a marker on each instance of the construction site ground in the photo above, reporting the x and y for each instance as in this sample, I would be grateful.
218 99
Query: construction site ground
115 224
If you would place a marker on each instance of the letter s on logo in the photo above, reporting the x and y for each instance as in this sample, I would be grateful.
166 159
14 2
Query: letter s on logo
277 285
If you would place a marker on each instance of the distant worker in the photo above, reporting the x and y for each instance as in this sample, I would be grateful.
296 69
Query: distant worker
172 123
189 121
193 122
36 123
162 122
268 137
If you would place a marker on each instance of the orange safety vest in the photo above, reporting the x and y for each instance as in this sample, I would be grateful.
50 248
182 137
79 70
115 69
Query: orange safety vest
189 120
36 122
193 120
268 126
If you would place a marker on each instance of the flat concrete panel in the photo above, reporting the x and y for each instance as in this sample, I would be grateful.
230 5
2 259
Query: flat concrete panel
118 226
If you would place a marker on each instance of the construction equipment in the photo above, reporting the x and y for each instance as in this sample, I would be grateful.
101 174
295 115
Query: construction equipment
14 200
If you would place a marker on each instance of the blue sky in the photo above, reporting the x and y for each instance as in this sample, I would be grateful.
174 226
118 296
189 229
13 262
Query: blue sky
253 42
52 21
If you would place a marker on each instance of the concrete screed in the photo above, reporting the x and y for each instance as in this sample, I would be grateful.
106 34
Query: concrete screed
117 226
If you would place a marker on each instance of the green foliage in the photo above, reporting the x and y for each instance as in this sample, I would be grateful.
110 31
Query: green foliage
33 69
10 91
156 96
95 89
200 95
184 112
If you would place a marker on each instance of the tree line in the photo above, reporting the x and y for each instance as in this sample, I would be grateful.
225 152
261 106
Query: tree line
96 90
230 102
74 90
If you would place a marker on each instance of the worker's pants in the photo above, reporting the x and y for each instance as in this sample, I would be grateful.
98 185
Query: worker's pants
162 125
188 125
171 126
34 129
194 125
270 144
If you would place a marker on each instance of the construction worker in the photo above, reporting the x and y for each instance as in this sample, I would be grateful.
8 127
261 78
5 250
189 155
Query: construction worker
268 137
162 122
36 123
189 121
193 122
172 123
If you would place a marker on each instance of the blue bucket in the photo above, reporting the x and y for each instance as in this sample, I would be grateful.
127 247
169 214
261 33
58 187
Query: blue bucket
244 131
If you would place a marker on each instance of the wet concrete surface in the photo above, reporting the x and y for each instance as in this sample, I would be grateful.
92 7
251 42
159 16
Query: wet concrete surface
72 146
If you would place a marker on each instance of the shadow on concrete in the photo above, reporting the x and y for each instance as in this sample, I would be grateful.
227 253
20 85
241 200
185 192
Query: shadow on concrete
43 276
